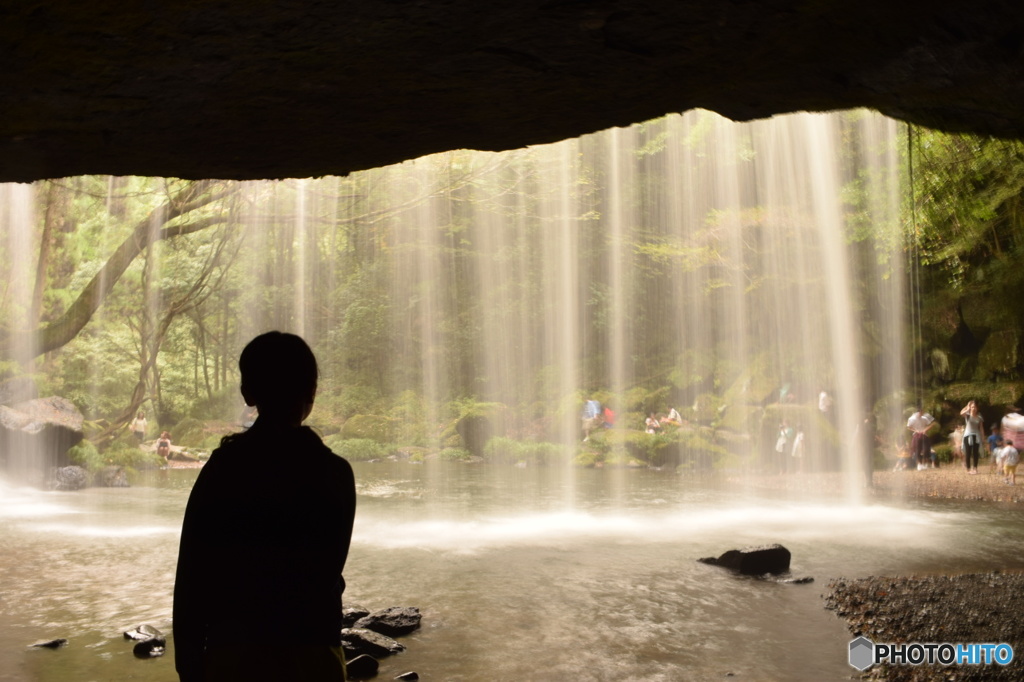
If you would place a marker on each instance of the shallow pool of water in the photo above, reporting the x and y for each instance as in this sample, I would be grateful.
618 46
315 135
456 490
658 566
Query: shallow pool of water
521 574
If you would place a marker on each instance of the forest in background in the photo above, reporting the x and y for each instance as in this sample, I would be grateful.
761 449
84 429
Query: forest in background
144 290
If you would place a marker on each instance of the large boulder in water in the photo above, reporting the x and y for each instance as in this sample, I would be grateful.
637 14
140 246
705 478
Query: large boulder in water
357 641
69 478
35 435
753 560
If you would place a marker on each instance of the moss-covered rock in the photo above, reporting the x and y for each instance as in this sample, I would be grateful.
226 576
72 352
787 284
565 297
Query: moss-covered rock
379 428
999 356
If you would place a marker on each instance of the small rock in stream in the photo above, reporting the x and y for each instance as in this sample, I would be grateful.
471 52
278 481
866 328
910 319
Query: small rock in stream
51 644
362 667
150 648
142 633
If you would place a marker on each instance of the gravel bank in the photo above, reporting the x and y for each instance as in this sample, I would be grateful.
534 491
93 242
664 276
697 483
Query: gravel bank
982 607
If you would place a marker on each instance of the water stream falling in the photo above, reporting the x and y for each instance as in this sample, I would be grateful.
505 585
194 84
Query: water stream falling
730 271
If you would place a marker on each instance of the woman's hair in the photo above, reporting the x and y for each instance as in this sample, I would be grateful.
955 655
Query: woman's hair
278 370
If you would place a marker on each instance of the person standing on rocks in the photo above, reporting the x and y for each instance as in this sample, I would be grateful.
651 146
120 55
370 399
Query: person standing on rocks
138 427
974 434
266 534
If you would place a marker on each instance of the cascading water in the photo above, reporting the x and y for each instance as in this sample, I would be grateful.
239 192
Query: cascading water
731 271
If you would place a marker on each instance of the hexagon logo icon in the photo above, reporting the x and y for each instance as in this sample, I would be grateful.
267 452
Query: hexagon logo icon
862 653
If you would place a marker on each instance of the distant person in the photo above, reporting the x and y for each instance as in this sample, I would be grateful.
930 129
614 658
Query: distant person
824 402
1013 439
249 415
903 458
590 418
163 445
652 424
956 442
995 440
1010 457
919 424
608 417
257 595
798 449
866 440
974 434
783 443
994 447
138 427
673 417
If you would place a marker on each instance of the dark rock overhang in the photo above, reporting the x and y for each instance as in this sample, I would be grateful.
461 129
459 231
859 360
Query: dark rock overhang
251 89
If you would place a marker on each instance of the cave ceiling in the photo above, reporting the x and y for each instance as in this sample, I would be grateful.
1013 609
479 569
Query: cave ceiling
259 89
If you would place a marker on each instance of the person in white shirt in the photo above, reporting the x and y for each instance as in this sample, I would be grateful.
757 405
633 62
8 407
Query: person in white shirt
919 424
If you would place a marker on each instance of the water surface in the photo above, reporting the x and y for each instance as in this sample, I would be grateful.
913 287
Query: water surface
521 574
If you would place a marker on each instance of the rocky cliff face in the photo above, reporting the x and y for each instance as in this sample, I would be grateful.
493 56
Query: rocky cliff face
313 87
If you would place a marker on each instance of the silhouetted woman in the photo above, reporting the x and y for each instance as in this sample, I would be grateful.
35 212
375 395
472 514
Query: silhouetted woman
265 537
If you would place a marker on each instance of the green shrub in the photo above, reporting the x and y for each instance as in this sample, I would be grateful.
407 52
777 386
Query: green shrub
944 452
86 456
379 428
190 432
511 451
455 455
129 456
356 449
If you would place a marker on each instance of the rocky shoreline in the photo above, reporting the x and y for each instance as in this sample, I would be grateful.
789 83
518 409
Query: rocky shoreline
949 482
973 608
969 608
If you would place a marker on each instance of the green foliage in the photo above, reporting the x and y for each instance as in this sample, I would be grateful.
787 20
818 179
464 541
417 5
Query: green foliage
190 432
124 454
511 451
944 452
86 455
357 449
380 428
455 455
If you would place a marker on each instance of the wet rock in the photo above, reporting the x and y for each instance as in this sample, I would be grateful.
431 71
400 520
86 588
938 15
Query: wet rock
393 621
37 433
410 676
150 648
69 478
362 667
357 641
804 580
111 477
178 455
350 614
142 633
50 644
771 559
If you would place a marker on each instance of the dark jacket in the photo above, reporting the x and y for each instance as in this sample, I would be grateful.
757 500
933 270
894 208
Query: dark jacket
263 544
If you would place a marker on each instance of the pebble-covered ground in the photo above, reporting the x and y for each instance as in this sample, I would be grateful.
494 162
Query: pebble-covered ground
982 607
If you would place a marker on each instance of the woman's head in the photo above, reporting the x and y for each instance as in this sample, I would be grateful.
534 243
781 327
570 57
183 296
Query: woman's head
279 376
